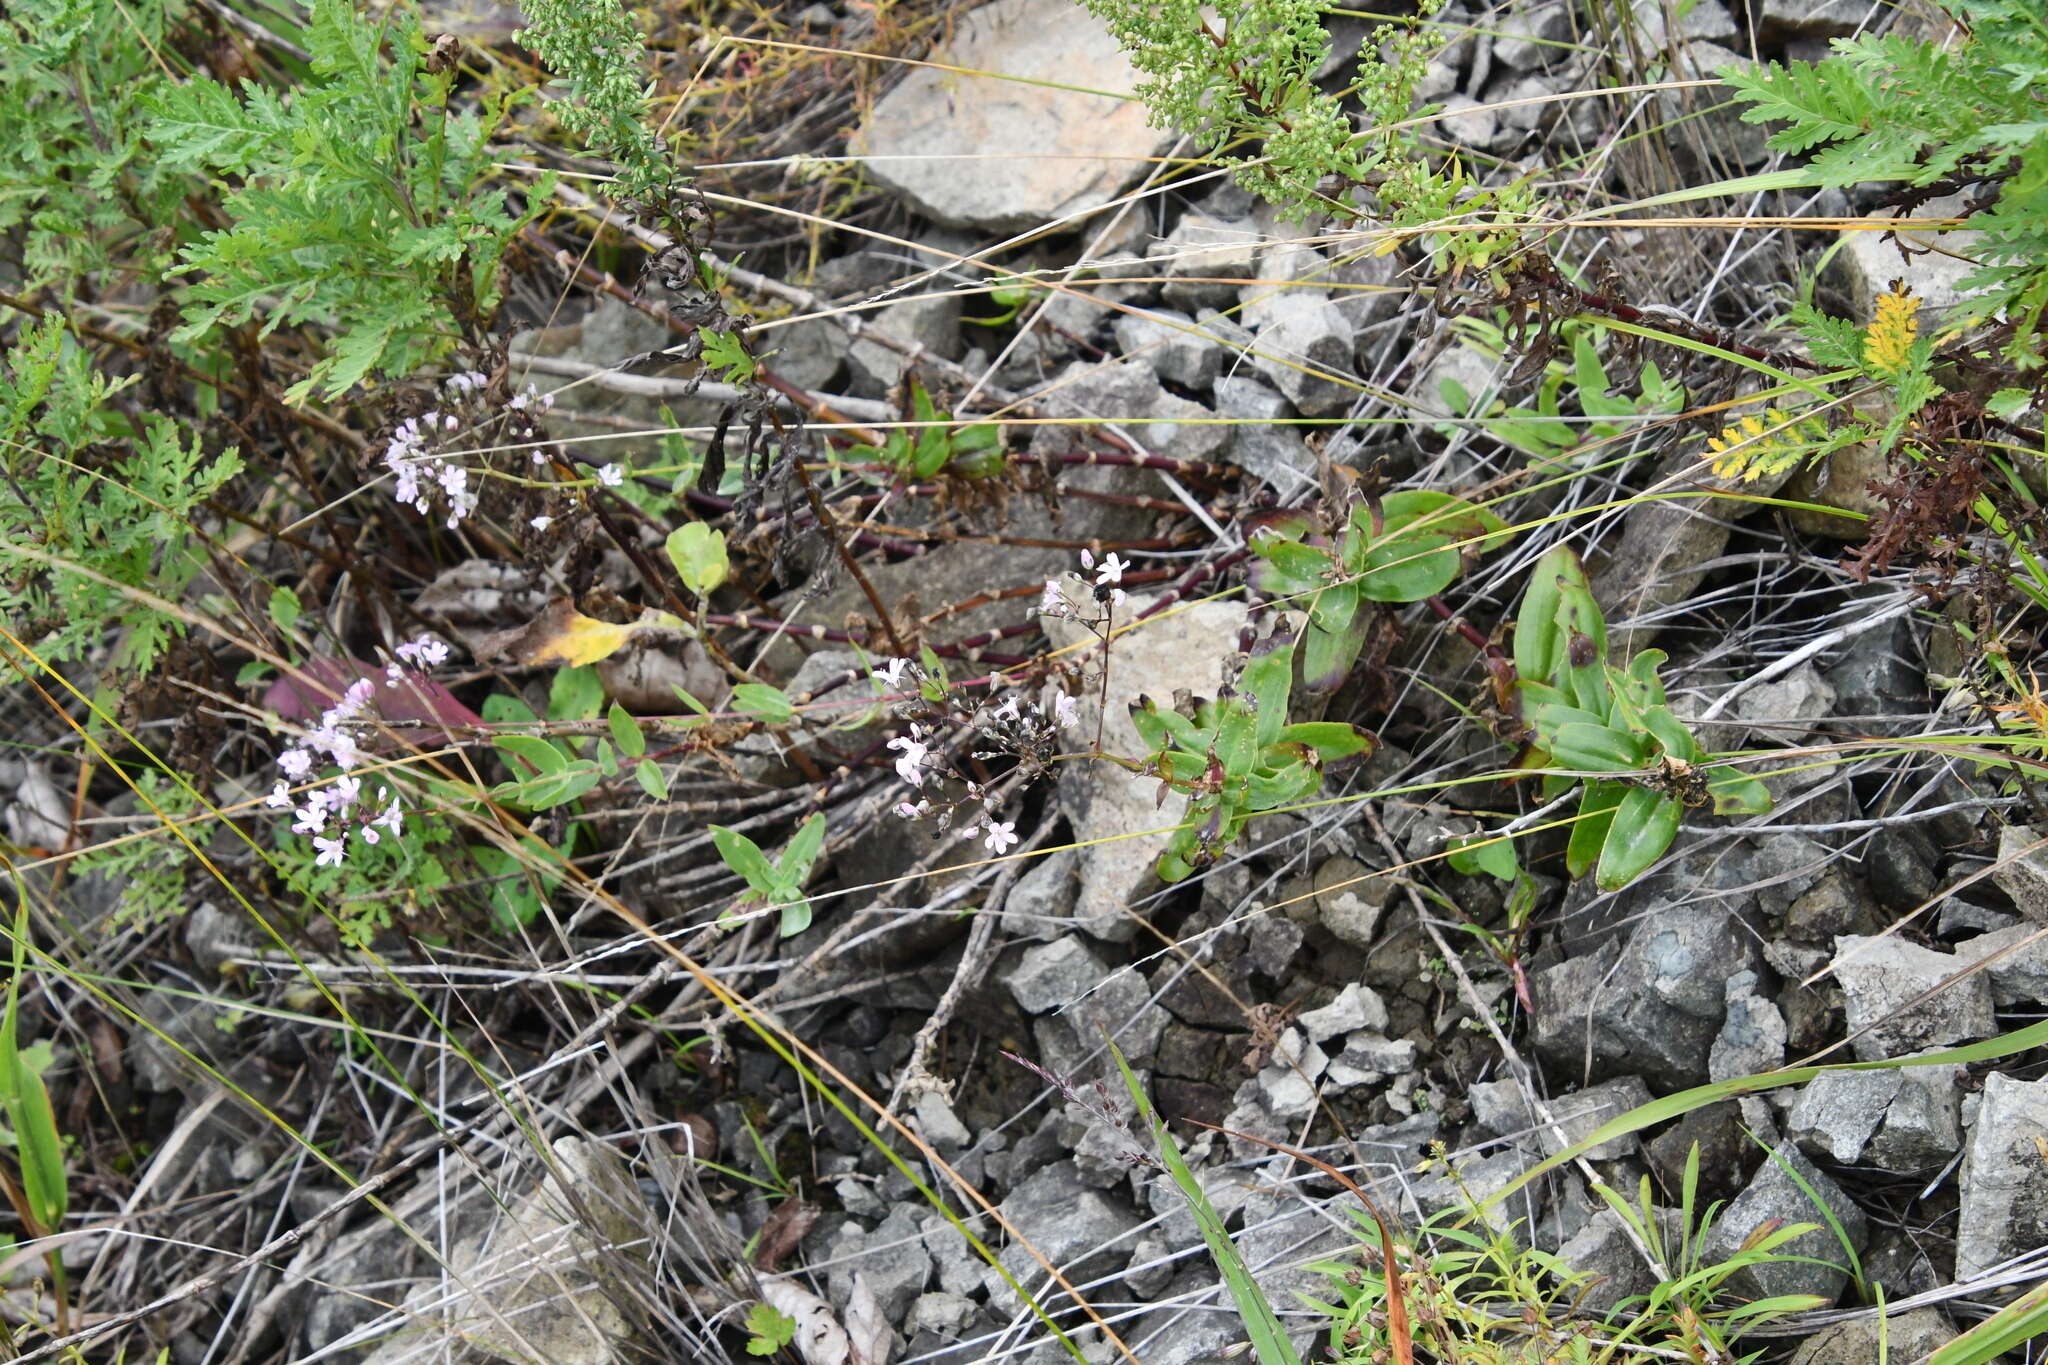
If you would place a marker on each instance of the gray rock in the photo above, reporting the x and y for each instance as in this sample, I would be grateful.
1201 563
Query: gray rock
1604 1250
1173 344
1913 1335
1534 36
1083 1231
1350 900
1831 907
1151 1265
1128 392
928 323
1877 676
2018 963
809 353
1112 815
1773 1197
1880 977
1752 1037
1053 975
1241 396
1041 904
1368 1058
1469 123
1902 1120
2021 870
1713 132
1660 23
1188 1336
546 1281
951 1316
1304 347
1786 708
938 1124
1502 1108
1657 1013
1939 260
1206 260
1457 382
1960 919
1271 942
892 1259
1042 148
1120 1009
1356 1007
2004 1180
1781 19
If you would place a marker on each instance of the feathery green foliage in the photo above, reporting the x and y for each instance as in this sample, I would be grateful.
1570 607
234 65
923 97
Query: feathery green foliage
1971 117
95 507
358 203
599 56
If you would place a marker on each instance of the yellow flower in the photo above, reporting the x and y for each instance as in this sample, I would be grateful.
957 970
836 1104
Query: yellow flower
1889 339
1762 443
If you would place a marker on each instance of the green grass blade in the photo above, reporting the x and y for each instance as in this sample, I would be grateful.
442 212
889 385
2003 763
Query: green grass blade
1261 1323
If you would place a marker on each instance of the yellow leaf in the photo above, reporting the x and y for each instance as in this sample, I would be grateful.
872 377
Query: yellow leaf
560 636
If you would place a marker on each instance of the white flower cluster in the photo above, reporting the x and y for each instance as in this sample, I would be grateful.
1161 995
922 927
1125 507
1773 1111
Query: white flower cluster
424 472
1018 728
1107 576
331 813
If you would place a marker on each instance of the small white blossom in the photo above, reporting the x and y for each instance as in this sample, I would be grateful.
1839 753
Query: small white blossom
280 797
1067 711
910 767
391 819
332 851
1112 570
1001 836
312 818
295 762
611 476
1007 711
541 523
891 672
1087 560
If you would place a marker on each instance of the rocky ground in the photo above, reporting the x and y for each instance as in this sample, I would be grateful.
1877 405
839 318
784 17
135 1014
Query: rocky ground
1320 987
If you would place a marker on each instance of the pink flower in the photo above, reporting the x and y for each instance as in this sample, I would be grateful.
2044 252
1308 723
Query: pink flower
1055 602
295 762
343 793
332 851
280 797
1001 836
370 835
312 818
1087 560
1067 711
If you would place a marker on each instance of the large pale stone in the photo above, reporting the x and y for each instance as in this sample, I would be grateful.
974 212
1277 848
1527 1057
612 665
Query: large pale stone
997 151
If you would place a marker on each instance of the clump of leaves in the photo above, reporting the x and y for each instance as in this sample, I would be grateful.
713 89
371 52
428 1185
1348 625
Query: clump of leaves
360 203
600 60
1405 547
1236 756
933 446
98 525
780 882
1587 715
1542 430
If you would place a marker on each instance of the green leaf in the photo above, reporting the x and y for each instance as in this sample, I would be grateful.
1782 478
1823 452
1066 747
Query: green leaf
698 552
1596 748
1645 823
1268 675
626 732
769 1330
284 608
1409 567
575 694
759 699
723 351
1597 804
1488 853
743 856
27 1102
1539 644
1333 740
803 850
649 775
543 757
2009 404
1737 793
